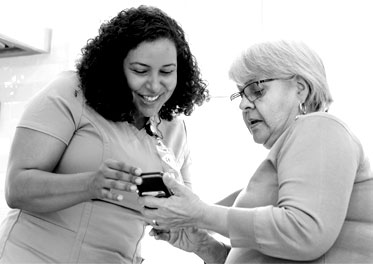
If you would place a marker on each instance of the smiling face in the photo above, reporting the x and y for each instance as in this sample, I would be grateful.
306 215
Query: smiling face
269 116
151 72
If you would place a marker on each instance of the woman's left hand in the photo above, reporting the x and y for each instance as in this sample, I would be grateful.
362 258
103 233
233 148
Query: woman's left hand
198 241
182 209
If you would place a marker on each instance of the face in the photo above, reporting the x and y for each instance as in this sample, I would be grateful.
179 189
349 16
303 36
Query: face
269 116
151 72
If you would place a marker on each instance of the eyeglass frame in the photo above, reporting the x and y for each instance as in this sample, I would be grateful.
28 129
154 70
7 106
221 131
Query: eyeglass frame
242 92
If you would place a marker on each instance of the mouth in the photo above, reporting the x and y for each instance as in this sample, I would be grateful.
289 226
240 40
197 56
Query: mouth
149 99
254 122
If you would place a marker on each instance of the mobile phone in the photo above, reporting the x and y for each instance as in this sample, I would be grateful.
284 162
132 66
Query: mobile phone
152 184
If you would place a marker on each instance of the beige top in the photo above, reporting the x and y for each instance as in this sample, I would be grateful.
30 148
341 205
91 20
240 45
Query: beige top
311 199
96 231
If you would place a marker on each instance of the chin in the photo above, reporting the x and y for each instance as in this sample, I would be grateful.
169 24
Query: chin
150 113
258 140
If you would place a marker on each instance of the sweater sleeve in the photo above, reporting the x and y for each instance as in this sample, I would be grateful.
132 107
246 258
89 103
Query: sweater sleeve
316 167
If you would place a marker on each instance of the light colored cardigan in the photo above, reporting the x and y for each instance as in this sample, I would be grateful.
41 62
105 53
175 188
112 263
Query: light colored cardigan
311 199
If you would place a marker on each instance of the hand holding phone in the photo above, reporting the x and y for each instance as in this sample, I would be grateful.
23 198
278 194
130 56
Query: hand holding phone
152 184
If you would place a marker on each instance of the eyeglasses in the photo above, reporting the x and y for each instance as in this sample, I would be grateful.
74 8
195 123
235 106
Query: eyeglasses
255 90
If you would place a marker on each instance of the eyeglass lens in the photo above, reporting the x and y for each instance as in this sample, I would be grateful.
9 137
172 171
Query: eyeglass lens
253 91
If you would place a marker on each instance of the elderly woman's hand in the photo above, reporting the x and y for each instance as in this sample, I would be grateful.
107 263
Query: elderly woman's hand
182 209
198 241
189 239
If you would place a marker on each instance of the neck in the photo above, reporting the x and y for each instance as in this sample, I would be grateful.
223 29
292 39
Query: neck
139 122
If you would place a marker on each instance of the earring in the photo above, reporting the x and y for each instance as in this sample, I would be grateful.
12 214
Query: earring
302 108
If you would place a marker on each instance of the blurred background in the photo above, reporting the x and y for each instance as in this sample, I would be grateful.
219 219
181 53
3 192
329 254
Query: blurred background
224 155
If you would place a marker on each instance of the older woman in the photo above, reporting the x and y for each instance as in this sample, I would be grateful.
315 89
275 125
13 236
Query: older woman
311 199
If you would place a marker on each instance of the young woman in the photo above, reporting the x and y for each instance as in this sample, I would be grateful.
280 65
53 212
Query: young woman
73 194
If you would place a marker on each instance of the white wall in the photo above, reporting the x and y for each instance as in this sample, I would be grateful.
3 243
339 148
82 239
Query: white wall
223 152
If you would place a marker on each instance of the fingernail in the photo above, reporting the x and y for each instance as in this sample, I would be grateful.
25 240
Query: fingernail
137 171
133 188
138 180
120 197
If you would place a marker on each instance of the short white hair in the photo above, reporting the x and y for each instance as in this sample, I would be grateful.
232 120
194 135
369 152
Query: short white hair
276 59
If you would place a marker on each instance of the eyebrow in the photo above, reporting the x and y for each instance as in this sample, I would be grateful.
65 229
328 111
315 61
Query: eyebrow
146 65
245 84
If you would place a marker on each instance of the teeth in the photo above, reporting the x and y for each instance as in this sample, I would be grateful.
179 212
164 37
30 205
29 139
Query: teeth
150 98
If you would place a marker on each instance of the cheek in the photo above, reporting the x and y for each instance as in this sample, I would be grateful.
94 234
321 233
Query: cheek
170 83
134 83
277 115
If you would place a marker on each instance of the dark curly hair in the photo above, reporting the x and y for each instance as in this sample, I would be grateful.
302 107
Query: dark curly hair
101 73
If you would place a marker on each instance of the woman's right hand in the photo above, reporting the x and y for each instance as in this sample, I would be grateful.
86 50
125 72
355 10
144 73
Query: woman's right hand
114 175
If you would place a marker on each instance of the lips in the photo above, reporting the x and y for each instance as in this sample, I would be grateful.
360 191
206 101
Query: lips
253 122
148 98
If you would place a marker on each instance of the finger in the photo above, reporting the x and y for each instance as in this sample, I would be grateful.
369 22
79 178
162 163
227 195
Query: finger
107 193
121 171
120 185
160 234
173 184
157 225
163 236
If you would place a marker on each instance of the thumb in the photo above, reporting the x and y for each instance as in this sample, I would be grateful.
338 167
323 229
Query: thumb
173 184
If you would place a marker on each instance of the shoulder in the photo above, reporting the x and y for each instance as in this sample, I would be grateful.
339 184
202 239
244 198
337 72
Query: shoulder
65 84
316 135
319 122
60 97
322 129
316 130
64 88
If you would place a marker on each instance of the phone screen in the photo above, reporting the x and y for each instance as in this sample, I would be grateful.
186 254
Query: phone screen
152 184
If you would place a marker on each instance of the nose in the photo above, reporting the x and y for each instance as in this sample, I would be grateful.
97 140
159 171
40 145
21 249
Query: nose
245 104
154 83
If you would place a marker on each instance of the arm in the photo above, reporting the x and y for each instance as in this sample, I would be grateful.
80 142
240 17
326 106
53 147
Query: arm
32 185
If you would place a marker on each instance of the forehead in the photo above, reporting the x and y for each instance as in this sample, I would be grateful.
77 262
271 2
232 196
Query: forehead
162 51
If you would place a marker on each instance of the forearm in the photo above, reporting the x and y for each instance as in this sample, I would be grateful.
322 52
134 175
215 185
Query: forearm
214 218
40 191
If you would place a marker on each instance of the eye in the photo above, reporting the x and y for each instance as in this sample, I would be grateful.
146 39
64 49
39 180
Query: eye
139 71
258 93
166 72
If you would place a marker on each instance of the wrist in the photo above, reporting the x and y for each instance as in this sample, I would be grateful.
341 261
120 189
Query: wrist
214 218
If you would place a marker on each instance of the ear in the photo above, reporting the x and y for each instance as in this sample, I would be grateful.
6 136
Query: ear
303 88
